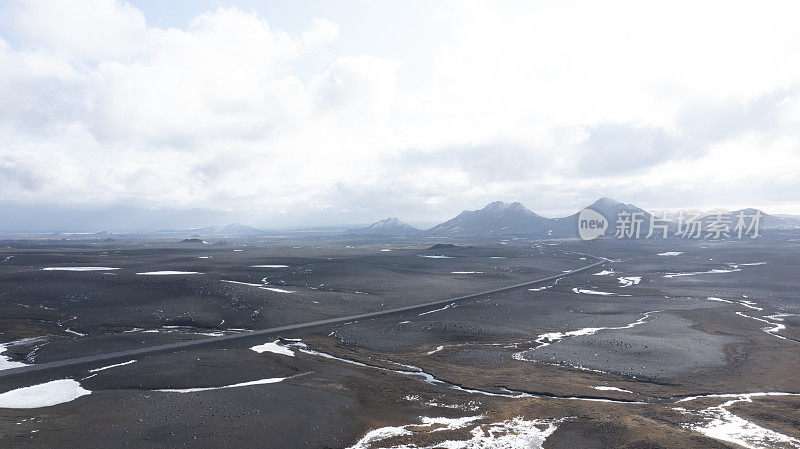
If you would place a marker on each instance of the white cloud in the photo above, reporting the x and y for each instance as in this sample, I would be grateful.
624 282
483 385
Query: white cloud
92 29
531 102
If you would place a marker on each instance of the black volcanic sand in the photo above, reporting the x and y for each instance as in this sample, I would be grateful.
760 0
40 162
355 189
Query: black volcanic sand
324 283
682 345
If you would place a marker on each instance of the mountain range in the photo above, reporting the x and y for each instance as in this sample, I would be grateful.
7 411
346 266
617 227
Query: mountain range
495 219
499 218
234 230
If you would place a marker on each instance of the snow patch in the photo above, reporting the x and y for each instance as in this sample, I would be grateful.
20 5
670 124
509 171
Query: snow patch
111 366
438 310
5 361
43 395
242 283
274 348
627 281
776 327
438 348
276 290
79 268
606 388
584 291
719 423
554 337
776 317
696 273
515 433
270 380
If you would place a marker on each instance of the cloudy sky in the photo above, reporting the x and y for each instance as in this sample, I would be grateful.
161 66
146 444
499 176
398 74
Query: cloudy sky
304 113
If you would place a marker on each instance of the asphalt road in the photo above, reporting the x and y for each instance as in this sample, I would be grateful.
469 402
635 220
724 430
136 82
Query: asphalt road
192 343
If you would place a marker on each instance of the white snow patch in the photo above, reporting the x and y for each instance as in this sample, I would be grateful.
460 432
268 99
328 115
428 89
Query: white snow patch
166 273
79 268
627 281
274 348
606 388
438 348
43 395
603 273
5 361
554 337
442 256
584 291
437 310
670 253
467 272
427 425
242 283
750 305
270 380
719 423
776 317
515 433
111 366
276 290
269 266
714 271
776 327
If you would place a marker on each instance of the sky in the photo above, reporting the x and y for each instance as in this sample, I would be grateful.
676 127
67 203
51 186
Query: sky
150 115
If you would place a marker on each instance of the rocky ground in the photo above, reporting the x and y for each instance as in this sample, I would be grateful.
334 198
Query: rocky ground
652 349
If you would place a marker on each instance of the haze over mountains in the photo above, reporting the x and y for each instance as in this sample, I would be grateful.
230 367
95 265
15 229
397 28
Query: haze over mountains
388 226
499 218
495 219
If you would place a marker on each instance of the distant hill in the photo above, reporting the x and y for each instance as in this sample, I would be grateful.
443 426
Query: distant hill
239 230
766 221
497 218
234 230
792 220
607 207
443 246
192 240
388 226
